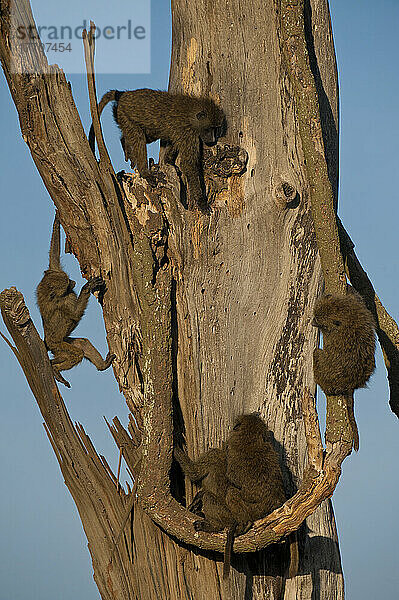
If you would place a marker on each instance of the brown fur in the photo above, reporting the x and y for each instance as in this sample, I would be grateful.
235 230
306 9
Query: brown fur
61 311
179 120
209 471
346 361
240 483
253 467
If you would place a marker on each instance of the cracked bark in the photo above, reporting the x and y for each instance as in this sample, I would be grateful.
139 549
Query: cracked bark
209 315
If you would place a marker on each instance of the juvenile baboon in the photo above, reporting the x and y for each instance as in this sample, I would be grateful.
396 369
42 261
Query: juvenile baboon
182 122
61 311
346 361
209 471
239 484
253 468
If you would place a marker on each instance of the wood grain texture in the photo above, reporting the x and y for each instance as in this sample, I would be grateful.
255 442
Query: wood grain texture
236 336
247 278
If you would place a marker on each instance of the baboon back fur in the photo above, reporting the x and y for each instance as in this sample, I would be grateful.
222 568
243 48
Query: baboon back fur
253 467
179 120
240 483
58 306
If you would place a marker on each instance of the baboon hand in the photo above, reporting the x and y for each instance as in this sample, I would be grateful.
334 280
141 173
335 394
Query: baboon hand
109 359
151 179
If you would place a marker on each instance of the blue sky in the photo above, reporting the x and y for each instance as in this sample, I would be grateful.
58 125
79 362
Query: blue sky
40 526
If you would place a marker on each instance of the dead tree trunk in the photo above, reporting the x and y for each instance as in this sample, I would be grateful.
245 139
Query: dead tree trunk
209 314
250 275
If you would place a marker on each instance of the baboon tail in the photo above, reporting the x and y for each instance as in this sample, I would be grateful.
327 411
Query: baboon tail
352 421
294 555
54 254
108 97
228 550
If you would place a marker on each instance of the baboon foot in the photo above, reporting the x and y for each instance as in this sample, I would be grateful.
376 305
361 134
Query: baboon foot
59 377
198 201
96 283
156 171
108 361
151 178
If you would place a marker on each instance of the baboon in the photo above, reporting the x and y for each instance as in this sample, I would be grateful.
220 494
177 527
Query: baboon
209 471
239 484
346 361
180 121
253 468
61 311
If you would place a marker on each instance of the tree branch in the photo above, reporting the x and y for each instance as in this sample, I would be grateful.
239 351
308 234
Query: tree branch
79 461
89 199
89 48
310 129
338 423
387 329
81 466
101 223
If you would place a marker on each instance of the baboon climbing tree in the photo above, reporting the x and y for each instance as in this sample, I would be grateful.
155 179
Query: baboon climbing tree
209 313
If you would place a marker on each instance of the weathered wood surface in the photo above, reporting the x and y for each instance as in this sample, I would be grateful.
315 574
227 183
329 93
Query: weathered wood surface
252 291
242 281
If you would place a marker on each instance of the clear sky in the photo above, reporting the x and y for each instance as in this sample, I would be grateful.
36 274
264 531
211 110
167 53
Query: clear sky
43 549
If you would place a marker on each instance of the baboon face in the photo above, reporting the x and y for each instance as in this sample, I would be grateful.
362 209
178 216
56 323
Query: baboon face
250 427
71 285
208 133
332 313
209 123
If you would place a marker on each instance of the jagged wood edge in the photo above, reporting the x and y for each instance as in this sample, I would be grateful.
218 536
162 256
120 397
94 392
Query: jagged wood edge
89 49
173 518
73 448
153 488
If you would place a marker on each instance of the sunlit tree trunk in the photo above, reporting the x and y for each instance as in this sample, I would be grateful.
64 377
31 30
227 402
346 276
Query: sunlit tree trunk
249 274
210 313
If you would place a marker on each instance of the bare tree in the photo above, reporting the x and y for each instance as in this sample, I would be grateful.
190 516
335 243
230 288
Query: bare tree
209 315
